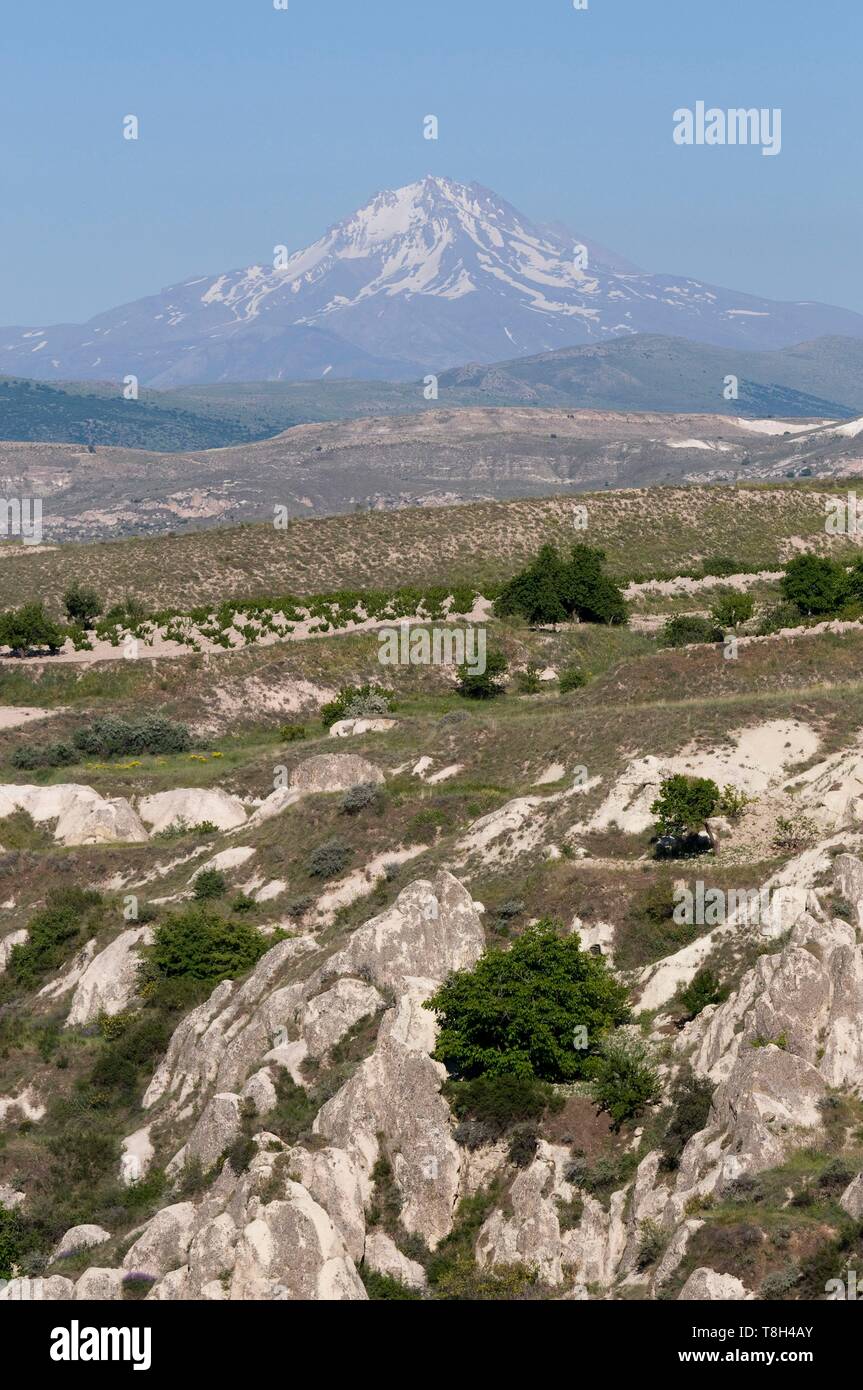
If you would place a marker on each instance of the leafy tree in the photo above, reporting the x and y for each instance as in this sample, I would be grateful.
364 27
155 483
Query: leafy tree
82 605
733 609
485 685
518 1010
624 1081
815 584
29 627
553 589
203 945
684 803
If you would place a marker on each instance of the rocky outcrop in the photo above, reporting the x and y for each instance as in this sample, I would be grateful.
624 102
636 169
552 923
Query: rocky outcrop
384 1256
82 816
705 1285
192 806
80 1238
334 772
109 982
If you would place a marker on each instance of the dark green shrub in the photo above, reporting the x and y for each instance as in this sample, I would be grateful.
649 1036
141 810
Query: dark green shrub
83 605
523 1144
705 988
203 945
44 755
29 629
110 736
52 934
210 883
816 585
483 685
624 1080
488 1106
381 1287
687 629
359 798
732 609
291 733
691 1098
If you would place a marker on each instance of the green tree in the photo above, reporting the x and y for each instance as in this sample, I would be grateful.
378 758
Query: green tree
733 609
688 628
684 803
27 628
485 685
816 585
552 589
82 605
518 1010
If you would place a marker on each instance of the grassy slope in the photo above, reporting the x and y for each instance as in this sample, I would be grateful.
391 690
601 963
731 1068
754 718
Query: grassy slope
645 532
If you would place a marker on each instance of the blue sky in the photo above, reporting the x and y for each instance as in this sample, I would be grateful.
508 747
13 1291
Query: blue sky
261 127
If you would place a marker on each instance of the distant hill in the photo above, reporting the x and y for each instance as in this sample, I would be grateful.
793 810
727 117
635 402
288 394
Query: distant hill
653 373
644 374
70 413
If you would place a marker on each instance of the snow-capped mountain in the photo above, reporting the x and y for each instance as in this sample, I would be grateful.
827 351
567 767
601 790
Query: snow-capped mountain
422 278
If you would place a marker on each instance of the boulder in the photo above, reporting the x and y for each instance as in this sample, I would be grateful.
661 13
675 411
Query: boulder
80 1238
334 772
347 728
219 1125
100 1285
111 821
384 1256
192 806
291 1250
110 981
329 1016
396 1092
852 1198
163 1244
705 1285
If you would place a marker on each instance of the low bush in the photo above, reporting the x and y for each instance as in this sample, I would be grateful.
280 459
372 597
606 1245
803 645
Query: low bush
328 859
210 883
624 1079
571 678
687 629
110 736
361 797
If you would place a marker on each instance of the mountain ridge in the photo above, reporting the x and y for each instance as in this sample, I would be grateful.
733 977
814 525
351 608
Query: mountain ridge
420 279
